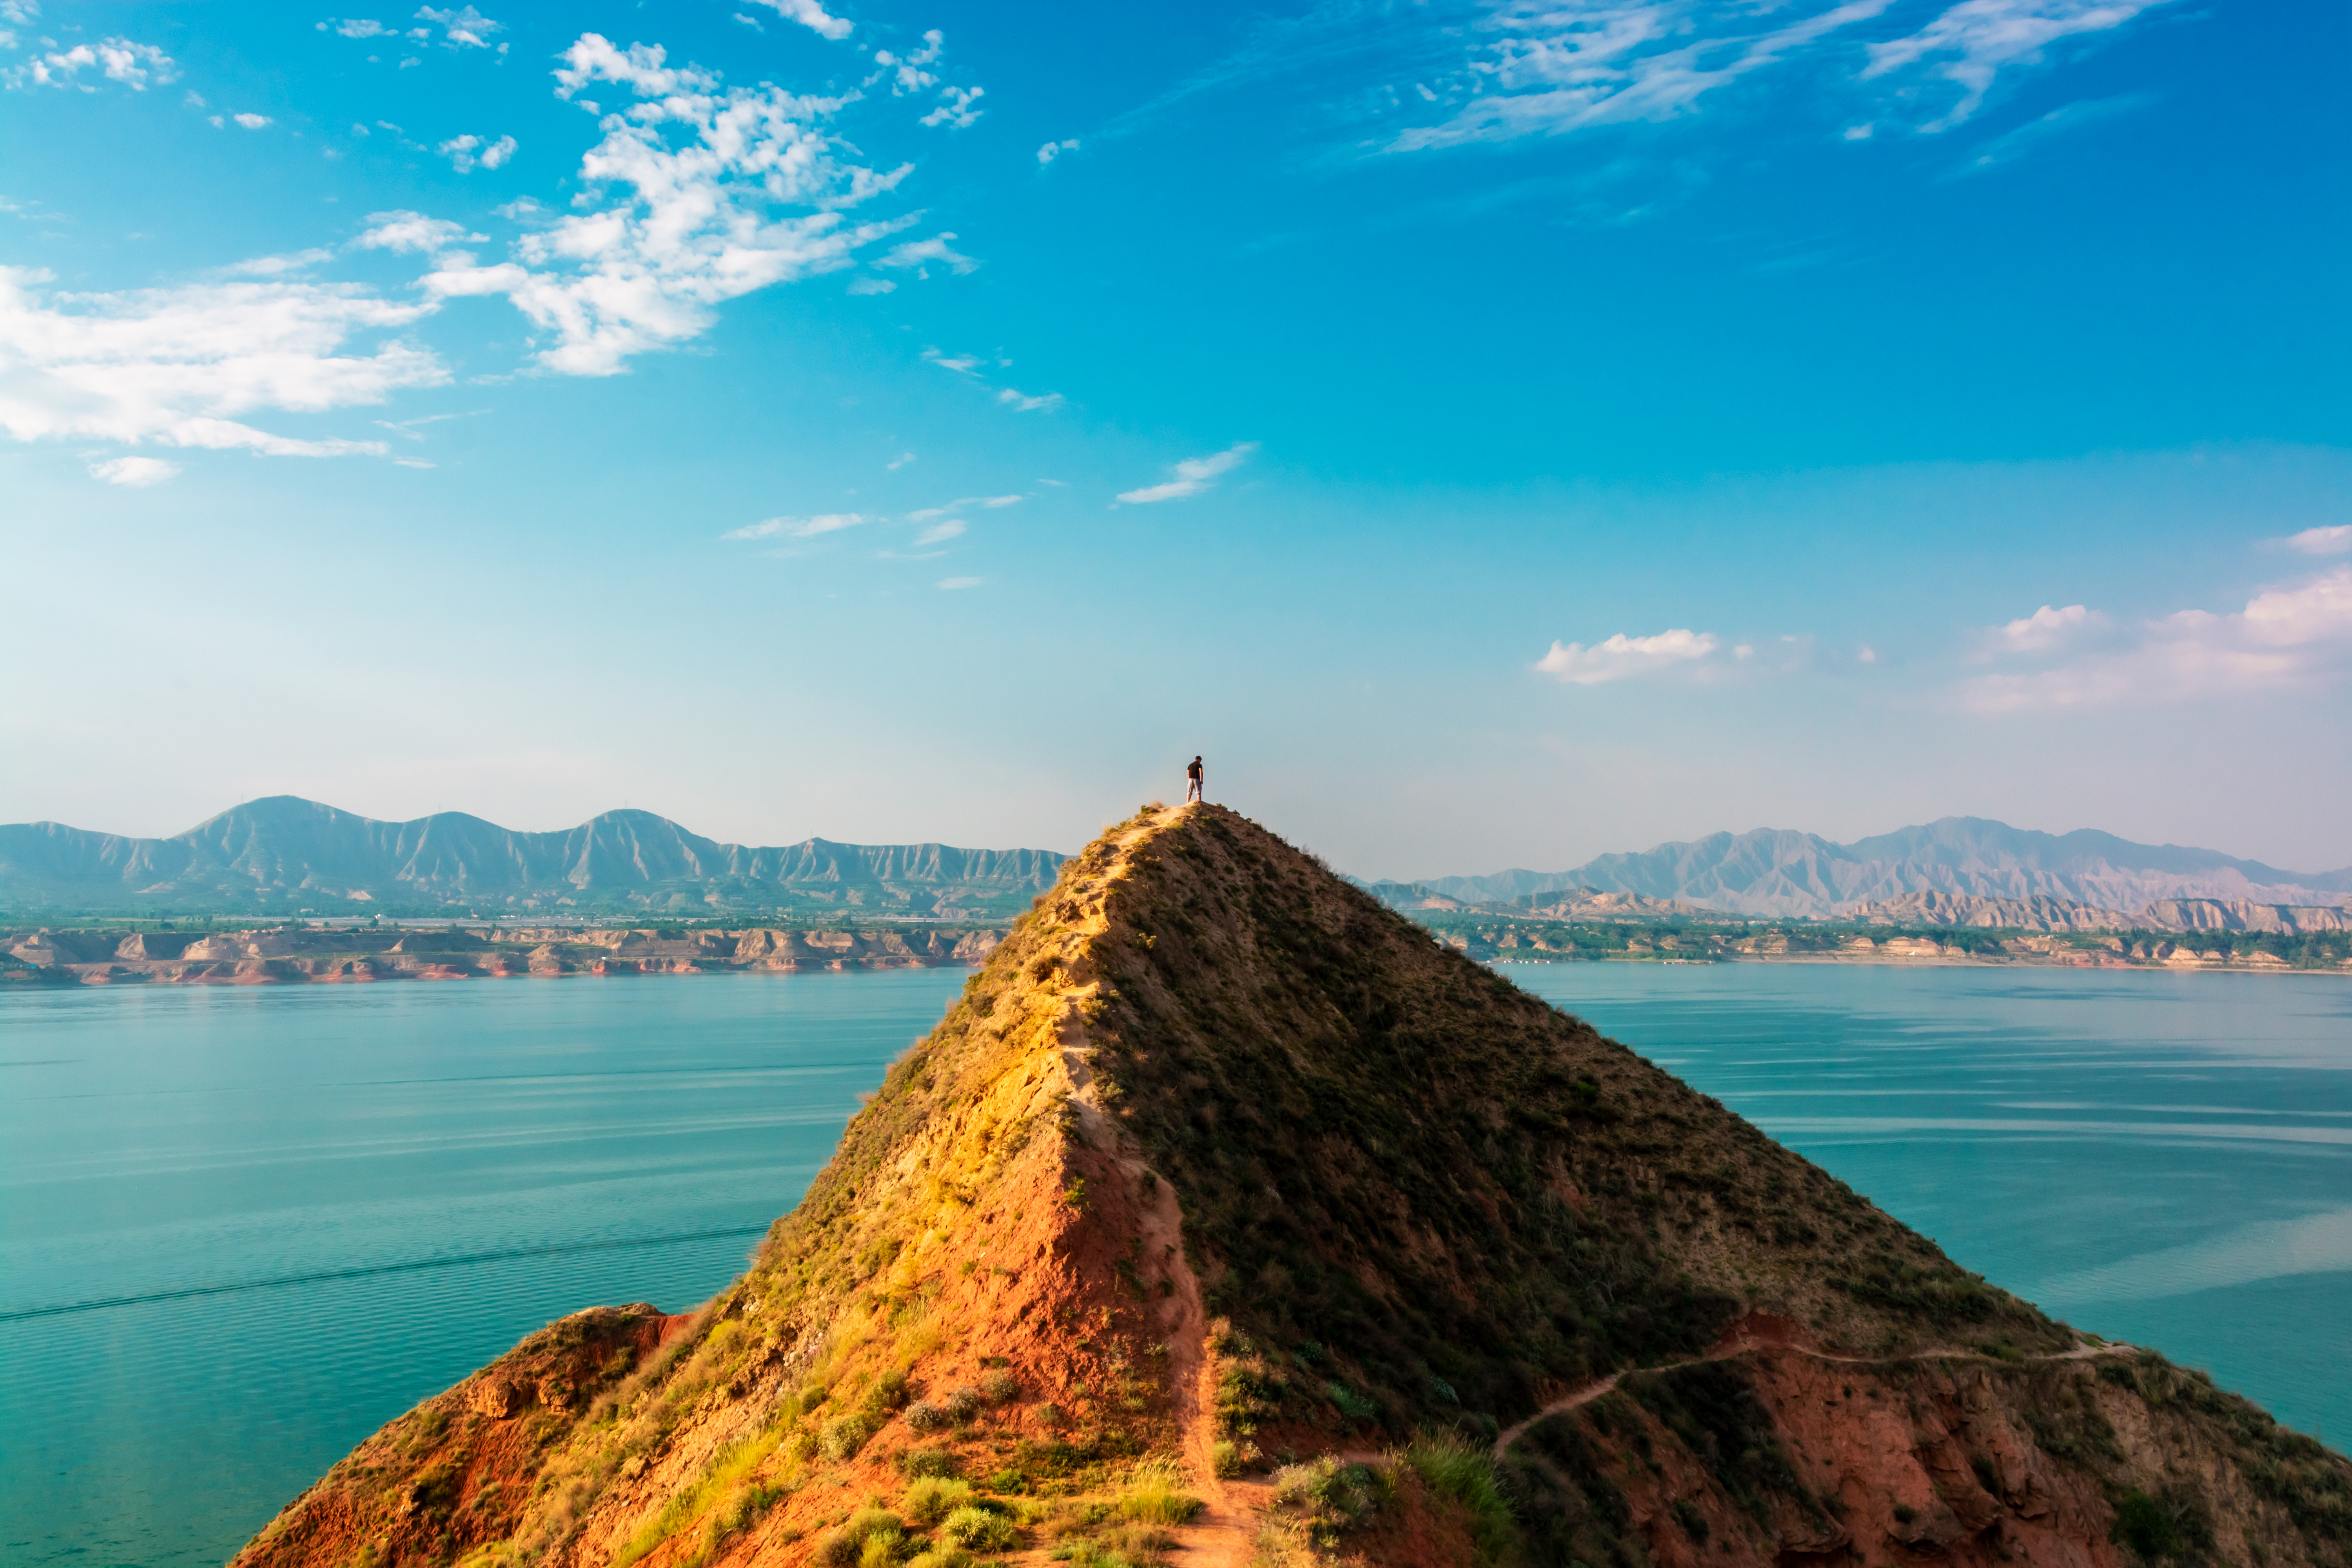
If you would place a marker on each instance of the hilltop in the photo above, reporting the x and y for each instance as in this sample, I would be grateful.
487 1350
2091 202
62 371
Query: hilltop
1228 1216
283 852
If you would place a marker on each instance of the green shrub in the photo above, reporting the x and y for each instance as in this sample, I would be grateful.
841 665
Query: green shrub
932 1498
1155 1495
978 1528
912 1462
1451 1468
924 1416
999 1386
2144 1525
842 1438
961 1403
846 1547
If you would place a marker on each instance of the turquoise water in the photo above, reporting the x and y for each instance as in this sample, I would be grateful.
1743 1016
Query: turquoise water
375 1189
276 1218
2165 1159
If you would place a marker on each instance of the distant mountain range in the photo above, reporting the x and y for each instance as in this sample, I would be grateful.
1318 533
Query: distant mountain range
284 853
1779 872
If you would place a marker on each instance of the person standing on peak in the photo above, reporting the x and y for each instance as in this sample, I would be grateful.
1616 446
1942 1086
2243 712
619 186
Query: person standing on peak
1192 782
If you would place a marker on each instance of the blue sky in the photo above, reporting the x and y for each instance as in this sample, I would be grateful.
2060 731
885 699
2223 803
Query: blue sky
1493 433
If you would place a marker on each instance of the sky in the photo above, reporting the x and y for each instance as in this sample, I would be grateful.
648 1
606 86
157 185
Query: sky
1491 432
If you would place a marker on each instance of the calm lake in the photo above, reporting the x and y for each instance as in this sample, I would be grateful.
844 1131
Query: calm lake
239 1229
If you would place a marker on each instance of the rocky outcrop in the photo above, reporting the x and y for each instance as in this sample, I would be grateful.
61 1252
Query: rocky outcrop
1226 1215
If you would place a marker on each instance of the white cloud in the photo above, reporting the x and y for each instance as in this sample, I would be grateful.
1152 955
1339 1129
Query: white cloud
872 286
900 462
2285 637
1973 42
955 111
21 12
1053 150
963 365
355 27
921 254
1622 656
2333 540
400 230
251 122
464 28
906 72
177 366
750 22
1022 402
2043 631
809 15
467 152
798 527
138 473
134 65
1193 475
692 225
961 582
939 532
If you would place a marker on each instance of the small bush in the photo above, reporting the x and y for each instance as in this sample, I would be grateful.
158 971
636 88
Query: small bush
842 1438
978 1528
1008 1481
2144 1525
914 1462
924 1416
1155 1495
846 1547
1451 1468
889 1392
932 1498
999 1386
961 1403
941 1557
1355 1407
880 1549
1694 1522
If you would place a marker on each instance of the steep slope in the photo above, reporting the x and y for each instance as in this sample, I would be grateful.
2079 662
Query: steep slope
1775 872
1220 1183
298 850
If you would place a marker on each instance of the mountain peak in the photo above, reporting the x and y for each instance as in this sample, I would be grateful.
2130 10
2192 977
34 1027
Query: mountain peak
1219 1183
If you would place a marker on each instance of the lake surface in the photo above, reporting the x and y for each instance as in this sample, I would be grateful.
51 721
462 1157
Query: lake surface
274 1218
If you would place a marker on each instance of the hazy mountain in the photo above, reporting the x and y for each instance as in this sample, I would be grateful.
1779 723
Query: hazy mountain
1777 871
284 852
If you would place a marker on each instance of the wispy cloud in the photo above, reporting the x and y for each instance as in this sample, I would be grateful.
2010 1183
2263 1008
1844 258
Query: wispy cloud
1053 150
958 504
957 108
941 533
2044 631
1621 656
1193 475
963 365
1015 398
138 473
2294 634
920 255
961 582
798 527
2333 540
1973 42
2009 146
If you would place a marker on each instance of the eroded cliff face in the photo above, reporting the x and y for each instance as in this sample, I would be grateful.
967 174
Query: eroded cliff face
1220 1185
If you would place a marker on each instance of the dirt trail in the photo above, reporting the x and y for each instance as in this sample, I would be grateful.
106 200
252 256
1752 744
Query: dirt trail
1757 1332
1224 1533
